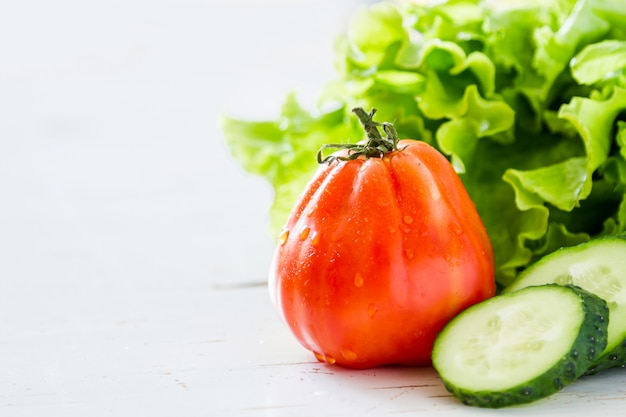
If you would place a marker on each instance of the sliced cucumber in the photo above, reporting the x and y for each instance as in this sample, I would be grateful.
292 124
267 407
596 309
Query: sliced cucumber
522 346
598 266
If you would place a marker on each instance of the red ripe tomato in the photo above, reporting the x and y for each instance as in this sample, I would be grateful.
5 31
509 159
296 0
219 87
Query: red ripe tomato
383 248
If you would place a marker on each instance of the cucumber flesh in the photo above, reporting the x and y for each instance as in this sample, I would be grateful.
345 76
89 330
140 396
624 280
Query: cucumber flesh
521 346
598 266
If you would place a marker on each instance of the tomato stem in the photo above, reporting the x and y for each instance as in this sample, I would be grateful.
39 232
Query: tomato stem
375 147
368 123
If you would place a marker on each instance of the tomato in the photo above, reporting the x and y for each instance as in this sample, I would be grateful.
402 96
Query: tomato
382 249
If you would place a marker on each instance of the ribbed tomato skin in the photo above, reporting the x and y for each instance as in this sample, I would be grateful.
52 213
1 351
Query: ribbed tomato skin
378 255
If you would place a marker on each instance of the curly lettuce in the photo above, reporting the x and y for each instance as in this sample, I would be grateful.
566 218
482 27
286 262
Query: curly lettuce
526 98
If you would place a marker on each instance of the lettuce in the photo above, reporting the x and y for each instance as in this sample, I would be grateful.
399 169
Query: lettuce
526 99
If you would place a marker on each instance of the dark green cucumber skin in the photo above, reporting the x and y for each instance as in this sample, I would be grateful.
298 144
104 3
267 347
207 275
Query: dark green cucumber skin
613 359
590 342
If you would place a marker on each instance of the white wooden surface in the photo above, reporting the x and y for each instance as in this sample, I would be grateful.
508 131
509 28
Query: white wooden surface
133 250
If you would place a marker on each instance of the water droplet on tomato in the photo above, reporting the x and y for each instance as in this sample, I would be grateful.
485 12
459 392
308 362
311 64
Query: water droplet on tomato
372 310
348 354
315 238
324 358
409 253
358 280
434 193
282 238
304 233
407 219
457 229
391 229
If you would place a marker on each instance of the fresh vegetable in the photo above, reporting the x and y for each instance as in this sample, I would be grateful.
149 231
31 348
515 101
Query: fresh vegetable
525 98
382 249
599 266
521 346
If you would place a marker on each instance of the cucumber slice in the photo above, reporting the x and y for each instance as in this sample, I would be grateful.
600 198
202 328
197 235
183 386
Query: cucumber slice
522 346
598 266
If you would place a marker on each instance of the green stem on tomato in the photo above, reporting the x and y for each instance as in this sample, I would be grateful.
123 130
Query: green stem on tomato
376 147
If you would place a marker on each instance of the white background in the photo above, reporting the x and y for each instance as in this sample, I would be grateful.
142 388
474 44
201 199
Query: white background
112 163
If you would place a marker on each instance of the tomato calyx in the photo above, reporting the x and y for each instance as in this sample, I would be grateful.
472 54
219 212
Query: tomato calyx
376 146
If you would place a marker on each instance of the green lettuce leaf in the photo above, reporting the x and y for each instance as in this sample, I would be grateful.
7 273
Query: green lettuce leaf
599 62
594 120
568 184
